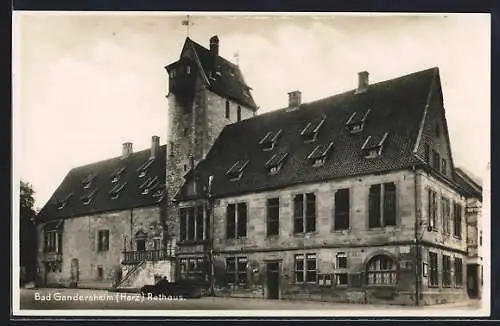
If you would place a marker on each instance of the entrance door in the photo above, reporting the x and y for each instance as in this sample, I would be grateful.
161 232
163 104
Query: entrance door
472 281
273 280
75 270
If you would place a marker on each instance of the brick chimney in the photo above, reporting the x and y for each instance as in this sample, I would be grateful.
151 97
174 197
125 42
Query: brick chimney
294 100
214 51
155 146
126 149
363 82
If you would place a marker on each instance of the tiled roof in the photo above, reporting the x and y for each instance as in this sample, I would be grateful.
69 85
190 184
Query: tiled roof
468 182
230 82
94 182
396 107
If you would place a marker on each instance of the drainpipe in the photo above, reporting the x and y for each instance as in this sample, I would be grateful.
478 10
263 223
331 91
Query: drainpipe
417 245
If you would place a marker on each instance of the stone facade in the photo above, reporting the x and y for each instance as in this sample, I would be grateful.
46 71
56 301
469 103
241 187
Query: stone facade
359 242
84 265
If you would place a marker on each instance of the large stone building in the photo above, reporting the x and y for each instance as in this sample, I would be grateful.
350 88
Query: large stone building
354 197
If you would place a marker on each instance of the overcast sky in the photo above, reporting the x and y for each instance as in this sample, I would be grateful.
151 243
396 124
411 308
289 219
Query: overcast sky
86 83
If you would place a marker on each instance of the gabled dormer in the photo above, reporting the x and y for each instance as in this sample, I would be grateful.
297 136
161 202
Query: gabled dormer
373 145
356 121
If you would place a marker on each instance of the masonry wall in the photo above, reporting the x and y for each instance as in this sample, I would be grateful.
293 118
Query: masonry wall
80 243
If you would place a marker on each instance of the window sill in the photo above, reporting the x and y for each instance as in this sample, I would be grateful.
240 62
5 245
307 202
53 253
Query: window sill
306 234
433 286
192 242
272 236
341 230
384 286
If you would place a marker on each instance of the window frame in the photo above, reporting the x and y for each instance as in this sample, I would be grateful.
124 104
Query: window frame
234 276
236 224
193 212
303 259
433 280
342 215
304 217
391 273
446 278
378 205
273 216
103 240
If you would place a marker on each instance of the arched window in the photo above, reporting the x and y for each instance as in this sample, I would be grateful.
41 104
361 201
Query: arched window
381 270
228 113
239 113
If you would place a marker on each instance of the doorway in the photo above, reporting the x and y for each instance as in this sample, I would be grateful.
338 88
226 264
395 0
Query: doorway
472 280
75 271
273 280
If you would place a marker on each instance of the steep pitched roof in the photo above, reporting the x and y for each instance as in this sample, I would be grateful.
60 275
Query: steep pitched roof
97 179
396 107
468 182
228 82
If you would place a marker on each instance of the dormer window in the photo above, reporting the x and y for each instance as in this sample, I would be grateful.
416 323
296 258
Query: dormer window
373 145
115 176
143 168
115 192
147 185
356 122
159 191
275 163
269 140
319 154
87 181
236 171
87 199
62 203
310 132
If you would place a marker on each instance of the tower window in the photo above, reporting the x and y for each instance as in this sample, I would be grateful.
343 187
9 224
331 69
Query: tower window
228 110
238 113
188 70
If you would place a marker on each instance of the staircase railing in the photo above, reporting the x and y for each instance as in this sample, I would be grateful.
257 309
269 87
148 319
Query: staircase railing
132 271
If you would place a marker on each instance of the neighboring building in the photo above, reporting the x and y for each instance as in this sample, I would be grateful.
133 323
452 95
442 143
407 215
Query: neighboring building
325 200
474 194
104 225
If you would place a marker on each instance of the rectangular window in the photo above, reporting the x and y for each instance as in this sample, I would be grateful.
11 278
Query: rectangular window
304 213
191 223
53 241
273 215
236 220
199 223
340 279
192 268
231 221
100 272
374 206
458 272
446 271
298 212
305 268
427 153
433 266
103 240
341 260
432 208
183 218
236 270
457 220
436 160
242 220
382 205
445 212
341 221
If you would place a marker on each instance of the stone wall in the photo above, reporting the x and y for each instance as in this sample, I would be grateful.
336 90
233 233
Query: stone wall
80 245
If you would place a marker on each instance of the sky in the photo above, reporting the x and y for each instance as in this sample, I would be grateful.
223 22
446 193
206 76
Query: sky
84 83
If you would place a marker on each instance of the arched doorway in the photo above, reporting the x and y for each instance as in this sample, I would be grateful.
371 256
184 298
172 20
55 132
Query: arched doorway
381 270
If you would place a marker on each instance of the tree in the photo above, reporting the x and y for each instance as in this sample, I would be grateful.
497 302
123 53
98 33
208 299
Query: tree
28 234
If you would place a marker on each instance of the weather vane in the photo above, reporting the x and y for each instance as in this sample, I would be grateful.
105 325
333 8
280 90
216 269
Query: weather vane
187 22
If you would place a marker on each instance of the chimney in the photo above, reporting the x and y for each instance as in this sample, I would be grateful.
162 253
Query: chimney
155 146
126 149
294 100
363 82
214 50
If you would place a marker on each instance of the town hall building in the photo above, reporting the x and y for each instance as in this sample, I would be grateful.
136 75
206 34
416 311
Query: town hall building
350 198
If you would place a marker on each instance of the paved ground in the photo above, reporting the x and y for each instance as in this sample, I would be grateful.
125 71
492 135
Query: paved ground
48 299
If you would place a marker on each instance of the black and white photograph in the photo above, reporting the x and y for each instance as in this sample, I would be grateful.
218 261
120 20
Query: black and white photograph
251 164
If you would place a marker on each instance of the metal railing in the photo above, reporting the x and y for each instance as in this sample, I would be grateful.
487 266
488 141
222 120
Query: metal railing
136 256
